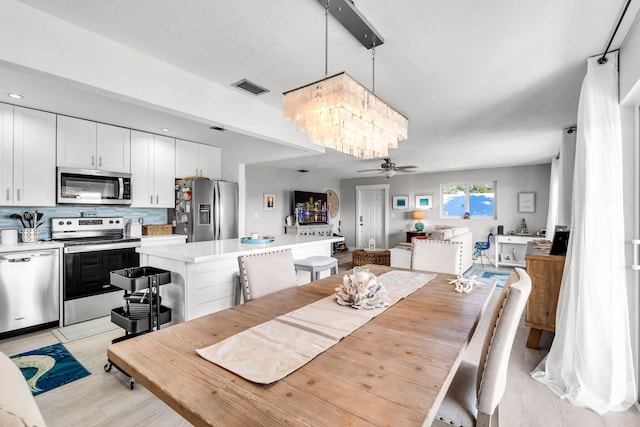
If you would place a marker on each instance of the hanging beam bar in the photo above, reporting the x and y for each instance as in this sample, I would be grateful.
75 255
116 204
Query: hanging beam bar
346 14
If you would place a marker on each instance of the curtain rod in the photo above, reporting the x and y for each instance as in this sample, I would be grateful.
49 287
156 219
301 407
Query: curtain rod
603 59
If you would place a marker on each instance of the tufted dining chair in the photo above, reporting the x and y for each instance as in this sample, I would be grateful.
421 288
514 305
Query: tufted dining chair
476 390
439 256
267 272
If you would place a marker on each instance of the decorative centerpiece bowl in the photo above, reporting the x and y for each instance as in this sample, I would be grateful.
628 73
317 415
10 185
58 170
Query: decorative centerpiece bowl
362 290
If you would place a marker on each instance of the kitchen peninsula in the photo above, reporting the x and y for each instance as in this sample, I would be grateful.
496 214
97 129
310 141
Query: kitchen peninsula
203 274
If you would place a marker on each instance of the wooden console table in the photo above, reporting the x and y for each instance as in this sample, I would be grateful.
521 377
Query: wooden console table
546 277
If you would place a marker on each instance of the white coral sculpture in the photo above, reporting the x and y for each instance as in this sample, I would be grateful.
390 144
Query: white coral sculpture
465 285
362 290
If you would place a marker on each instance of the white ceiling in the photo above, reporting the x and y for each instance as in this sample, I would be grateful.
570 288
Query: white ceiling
483 82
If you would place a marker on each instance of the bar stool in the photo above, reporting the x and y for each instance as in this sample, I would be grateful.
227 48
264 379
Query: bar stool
317 264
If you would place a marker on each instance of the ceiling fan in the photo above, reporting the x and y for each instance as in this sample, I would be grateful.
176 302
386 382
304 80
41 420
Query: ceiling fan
389 168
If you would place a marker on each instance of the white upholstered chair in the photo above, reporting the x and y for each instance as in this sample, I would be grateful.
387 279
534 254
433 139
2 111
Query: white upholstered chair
264 273
476 390
17 405
440 256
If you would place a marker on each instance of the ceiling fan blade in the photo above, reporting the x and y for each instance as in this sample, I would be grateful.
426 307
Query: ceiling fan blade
405 167
371 170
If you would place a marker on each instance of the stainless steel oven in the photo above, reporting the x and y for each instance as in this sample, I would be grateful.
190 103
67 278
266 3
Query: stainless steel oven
93 247
94 187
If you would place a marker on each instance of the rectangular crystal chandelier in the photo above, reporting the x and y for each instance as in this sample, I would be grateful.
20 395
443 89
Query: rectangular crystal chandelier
339 113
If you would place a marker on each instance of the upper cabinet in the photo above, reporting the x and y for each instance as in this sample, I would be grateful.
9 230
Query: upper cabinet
152 170
89 145
193 159
27 157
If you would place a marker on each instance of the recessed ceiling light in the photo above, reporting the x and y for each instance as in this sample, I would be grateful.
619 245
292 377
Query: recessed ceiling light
15 96
165 130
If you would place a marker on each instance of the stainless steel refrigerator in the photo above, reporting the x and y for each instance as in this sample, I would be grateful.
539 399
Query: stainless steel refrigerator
205 210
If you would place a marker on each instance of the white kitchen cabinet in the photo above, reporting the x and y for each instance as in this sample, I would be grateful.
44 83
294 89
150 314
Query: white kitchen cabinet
152 170
27 157
89 145
193 159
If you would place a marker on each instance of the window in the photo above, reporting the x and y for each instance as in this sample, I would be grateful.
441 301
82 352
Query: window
477 199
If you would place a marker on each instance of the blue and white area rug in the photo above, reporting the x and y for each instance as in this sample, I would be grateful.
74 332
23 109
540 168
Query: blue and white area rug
49 367
501 276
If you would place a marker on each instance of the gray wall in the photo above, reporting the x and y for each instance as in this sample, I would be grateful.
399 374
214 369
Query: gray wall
282 183
510 181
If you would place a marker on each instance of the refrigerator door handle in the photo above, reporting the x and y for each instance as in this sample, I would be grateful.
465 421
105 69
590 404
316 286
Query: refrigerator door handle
216 210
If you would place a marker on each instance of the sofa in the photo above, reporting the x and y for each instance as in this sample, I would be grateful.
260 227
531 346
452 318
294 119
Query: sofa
401 254
17 405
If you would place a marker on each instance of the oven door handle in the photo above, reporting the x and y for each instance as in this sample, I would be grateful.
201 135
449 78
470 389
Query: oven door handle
100 247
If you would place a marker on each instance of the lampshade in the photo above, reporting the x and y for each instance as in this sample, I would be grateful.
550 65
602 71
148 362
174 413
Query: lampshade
419 214
339 113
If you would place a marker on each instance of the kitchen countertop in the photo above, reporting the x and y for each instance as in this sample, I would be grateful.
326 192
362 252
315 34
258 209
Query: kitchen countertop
198 252
30 246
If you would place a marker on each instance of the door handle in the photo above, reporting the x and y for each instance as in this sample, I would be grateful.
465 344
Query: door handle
18 193
8 194
93 160
157 199
27 259
151 199
100 161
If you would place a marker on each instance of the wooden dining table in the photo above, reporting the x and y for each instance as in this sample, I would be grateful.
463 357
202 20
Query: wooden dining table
394 370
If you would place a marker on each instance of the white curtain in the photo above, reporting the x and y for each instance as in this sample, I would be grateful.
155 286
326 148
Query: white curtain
590 362
552 213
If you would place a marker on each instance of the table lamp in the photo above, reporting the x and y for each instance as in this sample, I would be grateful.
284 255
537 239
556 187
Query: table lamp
419 215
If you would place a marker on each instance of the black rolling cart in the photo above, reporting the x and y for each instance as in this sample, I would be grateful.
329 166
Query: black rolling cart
146 315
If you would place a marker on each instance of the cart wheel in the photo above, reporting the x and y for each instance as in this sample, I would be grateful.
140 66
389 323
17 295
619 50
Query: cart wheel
107 367
132 383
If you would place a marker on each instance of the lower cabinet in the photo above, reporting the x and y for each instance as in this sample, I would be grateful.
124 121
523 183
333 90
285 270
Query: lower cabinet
546 277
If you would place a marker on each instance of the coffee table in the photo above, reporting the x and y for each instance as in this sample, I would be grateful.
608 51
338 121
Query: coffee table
371 256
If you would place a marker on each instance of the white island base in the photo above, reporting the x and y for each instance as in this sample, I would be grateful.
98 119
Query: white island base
203 273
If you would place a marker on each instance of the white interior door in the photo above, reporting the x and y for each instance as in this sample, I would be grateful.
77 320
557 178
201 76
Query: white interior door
372 222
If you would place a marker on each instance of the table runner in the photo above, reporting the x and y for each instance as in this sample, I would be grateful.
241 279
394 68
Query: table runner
272 350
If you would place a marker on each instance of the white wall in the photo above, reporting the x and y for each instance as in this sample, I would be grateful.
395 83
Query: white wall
510 181
282 183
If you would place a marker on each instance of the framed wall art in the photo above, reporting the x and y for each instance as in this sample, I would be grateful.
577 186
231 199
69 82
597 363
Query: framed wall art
527 202
269 202
424 201
400 202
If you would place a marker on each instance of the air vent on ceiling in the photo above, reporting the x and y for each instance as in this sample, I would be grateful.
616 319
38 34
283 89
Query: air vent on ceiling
245 84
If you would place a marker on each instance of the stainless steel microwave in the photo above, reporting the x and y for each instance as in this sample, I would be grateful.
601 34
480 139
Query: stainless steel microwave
93 187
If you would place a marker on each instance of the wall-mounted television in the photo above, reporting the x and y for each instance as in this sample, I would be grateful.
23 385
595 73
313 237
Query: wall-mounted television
310 208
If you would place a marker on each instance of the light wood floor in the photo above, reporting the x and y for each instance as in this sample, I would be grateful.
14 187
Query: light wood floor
104 399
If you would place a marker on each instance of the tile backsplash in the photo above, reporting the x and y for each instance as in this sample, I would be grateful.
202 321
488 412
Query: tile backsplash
149 215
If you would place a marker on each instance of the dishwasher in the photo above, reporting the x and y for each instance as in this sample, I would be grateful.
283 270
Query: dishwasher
29 290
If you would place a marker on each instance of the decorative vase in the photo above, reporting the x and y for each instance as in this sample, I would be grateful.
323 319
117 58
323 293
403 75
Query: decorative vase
419 226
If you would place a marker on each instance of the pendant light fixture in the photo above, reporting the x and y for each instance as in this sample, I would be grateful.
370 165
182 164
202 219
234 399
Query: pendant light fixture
339 113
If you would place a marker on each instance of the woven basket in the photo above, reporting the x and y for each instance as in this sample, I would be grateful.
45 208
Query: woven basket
362 257
157 230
